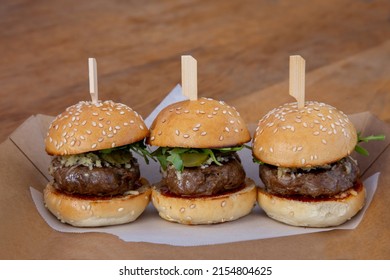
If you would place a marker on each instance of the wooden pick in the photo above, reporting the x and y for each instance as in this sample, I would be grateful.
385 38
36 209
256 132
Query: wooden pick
297 79
93 84
189 79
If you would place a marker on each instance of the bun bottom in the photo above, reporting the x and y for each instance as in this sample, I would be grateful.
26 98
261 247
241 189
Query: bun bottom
95 211
207 209
314 212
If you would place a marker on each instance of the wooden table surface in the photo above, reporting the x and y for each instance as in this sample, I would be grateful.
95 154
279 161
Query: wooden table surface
242 49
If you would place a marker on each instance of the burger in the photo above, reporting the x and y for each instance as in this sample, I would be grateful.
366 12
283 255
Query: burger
96 180
309 176
203 181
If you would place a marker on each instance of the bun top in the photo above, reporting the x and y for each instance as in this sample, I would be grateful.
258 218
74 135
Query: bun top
86 127
201 123
315 135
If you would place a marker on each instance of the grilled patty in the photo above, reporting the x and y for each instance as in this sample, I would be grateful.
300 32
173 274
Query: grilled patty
205 180
322 181
96 181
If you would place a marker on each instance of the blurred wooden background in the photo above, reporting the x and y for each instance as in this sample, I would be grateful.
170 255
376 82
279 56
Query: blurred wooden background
242 48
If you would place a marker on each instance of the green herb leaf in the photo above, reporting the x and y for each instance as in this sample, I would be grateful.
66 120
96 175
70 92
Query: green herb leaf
255 160
361 150
141 149
190 157
137 147
370 138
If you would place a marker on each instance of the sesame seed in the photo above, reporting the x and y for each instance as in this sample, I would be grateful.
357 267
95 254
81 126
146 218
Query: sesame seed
231 121
236 130
223 203
316 133
113 144
141 126
192 206
100 125
227 129
177 132
117 127
198 125
121 112
94 146
220 138
195 129
100 139
271 150
299 148
81 137
182 210
203 133
186 136
152 138
303 161
131 121
323 141
95 114
94 124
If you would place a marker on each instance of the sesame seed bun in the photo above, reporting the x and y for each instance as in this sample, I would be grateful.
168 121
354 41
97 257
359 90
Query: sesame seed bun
94 211
201 123
315 135
206 209
315 212
86 127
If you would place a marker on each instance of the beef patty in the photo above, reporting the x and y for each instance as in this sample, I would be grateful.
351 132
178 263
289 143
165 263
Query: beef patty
96 181
326 181
205 180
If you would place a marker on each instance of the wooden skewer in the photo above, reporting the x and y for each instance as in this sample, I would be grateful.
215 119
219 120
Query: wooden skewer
189 79
297 79
93 84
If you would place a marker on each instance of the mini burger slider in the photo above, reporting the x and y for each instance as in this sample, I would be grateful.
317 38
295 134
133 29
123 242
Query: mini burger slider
96 179
203 179
309 176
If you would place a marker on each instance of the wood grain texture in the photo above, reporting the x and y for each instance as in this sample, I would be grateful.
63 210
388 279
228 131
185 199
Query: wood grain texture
242 49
